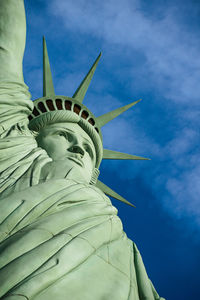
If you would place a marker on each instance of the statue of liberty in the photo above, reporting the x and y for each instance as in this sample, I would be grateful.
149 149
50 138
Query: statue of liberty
60 236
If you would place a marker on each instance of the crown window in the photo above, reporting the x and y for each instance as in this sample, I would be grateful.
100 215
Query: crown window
50 104
68 105
41 107
59 104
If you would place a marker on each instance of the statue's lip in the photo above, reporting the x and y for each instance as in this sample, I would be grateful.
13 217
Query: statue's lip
76 160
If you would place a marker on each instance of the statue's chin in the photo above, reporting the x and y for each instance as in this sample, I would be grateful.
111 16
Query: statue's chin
74 168
66 168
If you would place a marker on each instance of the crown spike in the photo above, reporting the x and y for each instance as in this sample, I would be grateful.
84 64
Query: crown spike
108 191
104 119
48 88
110 154
82 89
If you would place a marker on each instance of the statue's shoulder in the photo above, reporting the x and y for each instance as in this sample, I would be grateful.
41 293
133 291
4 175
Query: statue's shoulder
100 193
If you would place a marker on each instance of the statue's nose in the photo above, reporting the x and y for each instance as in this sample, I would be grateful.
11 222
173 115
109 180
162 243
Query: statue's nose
76 149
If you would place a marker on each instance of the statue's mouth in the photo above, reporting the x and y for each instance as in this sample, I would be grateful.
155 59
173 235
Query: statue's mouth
76 160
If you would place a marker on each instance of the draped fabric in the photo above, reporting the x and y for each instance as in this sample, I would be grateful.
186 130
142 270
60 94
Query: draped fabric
60 238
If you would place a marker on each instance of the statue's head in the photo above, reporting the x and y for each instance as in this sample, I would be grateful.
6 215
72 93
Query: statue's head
69 131
66 136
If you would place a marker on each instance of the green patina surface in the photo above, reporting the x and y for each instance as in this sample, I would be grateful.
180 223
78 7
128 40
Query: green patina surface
60 236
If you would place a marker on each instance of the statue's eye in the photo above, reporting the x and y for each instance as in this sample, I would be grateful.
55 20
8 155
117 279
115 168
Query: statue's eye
66 135
62 133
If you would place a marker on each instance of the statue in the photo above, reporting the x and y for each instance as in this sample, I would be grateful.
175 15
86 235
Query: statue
60 236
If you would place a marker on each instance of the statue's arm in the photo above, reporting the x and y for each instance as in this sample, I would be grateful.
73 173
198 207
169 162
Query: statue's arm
14 96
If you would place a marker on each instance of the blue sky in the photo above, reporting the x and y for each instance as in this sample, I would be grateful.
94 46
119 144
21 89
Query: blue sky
150 51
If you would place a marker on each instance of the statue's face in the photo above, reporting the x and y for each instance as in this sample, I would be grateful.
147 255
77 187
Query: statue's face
70 143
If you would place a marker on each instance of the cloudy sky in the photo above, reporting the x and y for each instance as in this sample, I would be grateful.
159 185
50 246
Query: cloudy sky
151 50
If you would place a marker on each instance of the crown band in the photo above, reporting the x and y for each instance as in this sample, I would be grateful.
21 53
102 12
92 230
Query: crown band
43 105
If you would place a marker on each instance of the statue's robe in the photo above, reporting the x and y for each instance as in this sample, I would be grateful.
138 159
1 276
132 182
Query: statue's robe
60 238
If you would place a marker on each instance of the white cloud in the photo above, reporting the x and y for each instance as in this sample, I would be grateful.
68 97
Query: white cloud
182 143
188 185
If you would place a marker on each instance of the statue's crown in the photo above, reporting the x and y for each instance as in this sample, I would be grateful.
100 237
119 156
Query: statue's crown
54 109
